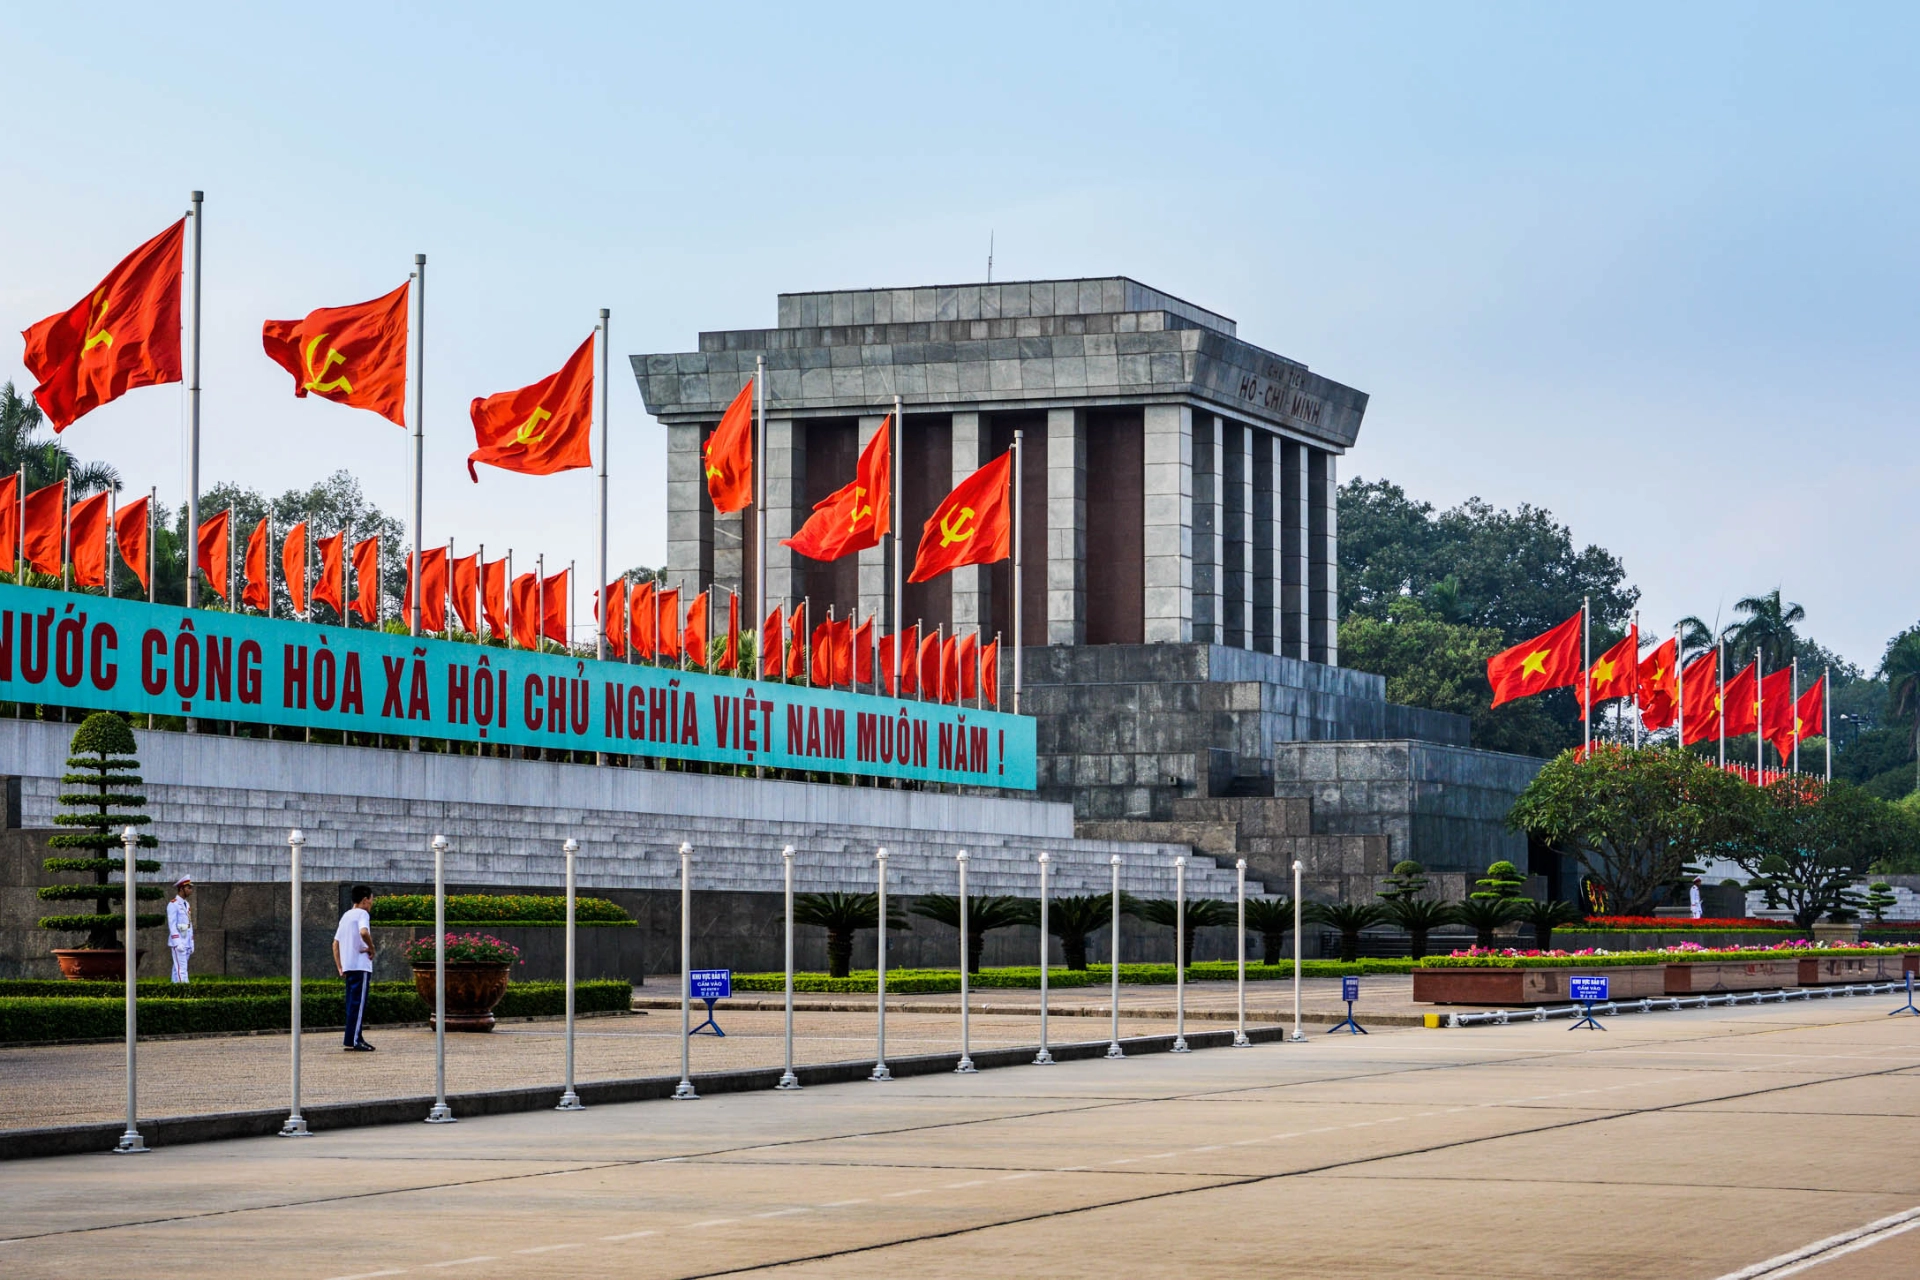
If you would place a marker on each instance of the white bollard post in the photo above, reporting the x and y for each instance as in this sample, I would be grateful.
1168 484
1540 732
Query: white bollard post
788 1080
441 1113
684 1092
1240 1040
1179 955
1297 1033
295 1125
1043 1058
131 1142
1113 965
880 1071
965 1065
569 1100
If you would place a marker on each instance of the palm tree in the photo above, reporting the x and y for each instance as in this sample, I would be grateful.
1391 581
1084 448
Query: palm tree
1696 637
984 912
44 459
1900 668
842 915
1545 917
1484 915
1418 917
1349 918
1272 919
1767 630
1201 912
1073 919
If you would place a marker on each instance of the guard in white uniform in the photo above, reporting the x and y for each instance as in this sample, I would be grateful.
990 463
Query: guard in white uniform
180 926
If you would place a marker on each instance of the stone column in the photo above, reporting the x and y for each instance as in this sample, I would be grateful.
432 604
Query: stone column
1209 620
876 563
1293 567
972 598
786 510
1323 540
1167 448
1266 541
729 550
1066 567
1237 536
689 510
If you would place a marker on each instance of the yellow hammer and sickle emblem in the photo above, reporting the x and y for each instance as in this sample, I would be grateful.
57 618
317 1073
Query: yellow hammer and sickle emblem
525 433
315 376
860 512
958 530
706 451
99 337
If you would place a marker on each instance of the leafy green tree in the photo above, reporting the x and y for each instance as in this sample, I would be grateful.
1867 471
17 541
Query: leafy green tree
842 915
1502 881
98 811
1900 668
985 913
1201 912
1408 879
1349 918
1808 841
1634 819
1879 897
1272 919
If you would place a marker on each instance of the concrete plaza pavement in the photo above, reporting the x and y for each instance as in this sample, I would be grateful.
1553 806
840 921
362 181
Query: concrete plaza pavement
1691 1144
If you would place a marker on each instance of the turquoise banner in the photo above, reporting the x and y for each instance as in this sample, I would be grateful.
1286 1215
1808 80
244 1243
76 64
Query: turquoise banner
65 649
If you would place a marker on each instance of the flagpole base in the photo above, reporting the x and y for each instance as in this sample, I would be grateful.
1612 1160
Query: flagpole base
1043 1058
131 1144
1298 1036
1114 1051
683 1092
295 1127
965 1067
1240 1040
569 1101
880 1073
788 1080
441 1114
1180 1045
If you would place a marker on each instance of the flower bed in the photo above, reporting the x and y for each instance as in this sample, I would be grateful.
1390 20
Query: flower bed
1513 976
462 948
497 908
1681 924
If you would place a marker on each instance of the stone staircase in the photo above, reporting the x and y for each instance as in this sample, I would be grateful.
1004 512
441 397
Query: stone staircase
1271 834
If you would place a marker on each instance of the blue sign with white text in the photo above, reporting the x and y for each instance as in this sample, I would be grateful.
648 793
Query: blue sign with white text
1349 989
1588 990
711 984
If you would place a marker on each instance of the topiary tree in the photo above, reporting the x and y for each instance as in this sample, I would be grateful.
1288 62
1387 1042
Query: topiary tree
842 915
1503 880
103 761
1409 880
985 911
1878 898
1272 919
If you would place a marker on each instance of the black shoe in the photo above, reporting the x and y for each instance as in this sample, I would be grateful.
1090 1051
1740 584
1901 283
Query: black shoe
362 1047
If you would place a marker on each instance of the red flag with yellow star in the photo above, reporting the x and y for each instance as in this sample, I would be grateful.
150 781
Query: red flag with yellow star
729 455
1742 710
1658 691
356 356
1614 674
1809 716
124 334
1776 710
1551 660
539 429
1700 698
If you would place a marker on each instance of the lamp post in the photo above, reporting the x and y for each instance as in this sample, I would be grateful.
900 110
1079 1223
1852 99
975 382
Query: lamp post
1043 1058
1113 965
1240 1040
684 1092
788 1080
1179 956
569 1100
880 1071
295 1125
1298 1034
130 1141
441 1113
965 1066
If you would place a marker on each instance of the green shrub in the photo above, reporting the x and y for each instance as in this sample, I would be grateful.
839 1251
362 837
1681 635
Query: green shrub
497 908
945 981
103 761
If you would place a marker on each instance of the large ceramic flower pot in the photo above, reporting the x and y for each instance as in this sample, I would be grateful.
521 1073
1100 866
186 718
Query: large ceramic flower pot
473 989
90 964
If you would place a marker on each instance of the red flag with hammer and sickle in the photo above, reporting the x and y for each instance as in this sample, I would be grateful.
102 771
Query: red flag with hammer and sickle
972 525
124 334
729 455
855 516
539 429
355 356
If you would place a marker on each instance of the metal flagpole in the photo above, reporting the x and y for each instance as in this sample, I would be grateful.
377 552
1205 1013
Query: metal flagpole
346 559
760 496
1179 956
416 410
1720 702
1586 672
1795 713
880 1071
1019 466
897 500
1679 693
153 499
508 593
1826 716
441 1112
1240 1040
788 1080
569 1100
198 214
965 1066
295 1125
1636 679
1759 713
131 1142
113 544
1297 1033
1043 1058
1113 964
683 1092
66 533
600 403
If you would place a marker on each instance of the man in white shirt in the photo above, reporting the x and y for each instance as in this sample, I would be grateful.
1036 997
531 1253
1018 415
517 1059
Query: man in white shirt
353 957
180 926
1693 900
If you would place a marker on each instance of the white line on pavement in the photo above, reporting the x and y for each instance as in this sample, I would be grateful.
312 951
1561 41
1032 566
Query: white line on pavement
1794 1261
631 1235
458 1262
711 1222
549 1248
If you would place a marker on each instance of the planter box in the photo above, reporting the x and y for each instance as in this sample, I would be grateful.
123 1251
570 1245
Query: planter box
1702 977
1652 940
1843 968
1508 987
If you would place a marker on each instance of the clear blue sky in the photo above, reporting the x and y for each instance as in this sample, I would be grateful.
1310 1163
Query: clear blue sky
1652 267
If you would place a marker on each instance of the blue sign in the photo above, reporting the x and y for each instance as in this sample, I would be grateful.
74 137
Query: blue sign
711 984
1349 989
1587 990
68 648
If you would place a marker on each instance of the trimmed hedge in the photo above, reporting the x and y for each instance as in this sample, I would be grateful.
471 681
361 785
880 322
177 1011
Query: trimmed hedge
496 908
84 1015
1619 959
947 981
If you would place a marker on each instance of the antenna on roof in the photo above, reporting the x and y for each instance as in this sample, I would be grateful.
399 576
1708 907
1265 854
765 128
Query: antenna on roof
989 257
